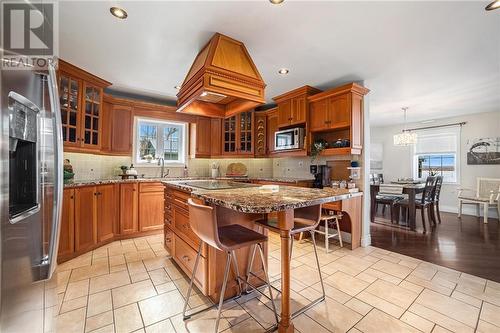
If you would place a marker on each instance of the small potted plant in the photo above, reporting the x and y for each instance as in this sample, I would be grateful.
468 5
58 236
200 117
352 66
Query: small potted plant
317 147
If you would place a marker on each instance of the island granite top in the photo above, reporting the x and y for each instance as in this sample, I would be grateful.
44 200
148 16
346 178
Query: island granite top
267 198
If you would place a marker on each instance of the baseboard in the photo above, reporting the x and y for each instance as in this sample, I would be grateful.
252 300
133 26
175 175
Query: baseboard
366 240
468 210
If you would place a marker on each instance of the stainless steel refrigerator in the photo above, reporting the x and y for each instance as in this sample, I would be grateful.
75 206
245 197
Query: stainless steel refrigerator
30 199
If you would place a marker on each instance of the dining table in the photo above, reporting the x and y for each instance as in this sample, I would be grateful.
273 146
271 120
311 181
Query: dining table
409 188
280 200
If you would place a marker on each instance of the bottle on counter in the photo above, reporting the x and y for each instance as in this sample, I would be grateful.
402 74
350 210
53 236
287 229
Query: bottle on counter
185 172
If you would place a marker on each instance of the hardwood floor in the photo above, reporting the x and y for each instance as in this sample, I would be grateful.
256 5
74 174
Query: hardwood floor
464 244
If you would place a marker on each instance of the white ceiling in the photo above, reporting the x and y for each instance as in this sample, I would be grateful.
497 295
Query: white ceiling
439 58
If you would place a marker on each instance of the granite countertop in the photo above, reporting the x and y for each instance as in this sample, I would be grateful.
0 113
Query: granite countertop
267 199
81 183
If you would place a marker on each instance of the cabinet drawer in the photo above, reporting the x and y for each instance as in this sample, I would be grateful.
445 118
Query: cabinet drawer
185 256
180 219
335 205
168 239
151 187
180 199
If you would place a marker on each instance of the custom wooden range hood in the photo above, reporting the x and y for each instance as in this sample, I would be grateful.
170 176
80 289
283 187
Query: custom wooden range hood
222 80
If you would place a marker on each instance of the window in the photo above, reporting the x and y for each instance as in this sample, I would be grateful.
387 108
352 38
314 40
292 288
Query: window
156 139
436 153
437 165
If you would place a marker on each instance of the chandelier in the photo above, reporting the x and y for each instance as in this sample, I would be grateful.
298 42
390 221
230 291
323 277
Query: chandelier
405 138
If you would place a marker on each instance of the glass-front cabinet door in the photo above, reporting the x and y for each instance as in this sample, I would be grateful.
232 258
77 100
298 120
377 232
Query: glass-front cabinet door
91 116
246 132
69 98
229 138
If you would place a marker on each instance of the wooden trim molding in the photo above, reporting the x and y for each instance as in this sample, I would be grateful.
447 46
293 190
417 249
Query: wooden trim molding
81 73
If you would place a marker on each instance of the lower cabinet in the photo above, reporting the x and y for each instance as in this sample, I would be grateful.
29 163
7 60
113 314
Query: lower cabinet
95 215
66 238
128 208
180 240
151 205
85 218
107 209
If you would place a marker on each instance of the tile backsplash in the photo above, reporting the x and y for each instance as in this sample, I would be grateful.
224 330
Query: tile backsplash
89 167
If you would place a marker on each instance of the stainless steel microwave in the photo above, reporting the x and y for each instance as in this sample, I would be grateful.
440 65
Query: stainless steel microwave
288 139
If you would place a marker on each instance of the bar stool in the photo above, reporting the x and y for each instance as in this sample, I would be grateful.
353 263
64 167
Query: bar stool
229 238
306 220
327 219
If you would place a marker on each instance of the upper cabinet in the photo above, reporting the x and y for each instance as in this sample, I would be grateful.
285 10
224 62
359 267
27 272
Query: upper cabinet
272 127
337 114
81 99
293 106
201 138
237 134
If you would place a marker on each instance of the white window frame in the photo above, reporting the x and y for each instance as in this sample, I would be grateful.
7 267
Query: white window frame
161 123
457 153
415 164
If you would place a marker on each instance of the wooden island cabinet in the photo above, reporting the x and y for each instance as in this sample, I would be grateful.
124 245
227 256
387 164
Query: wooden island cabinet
95 215
183 245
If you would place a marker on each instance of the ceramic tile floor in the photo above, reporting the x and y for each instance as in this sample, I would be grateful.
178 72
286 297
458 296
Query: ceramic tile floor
134 286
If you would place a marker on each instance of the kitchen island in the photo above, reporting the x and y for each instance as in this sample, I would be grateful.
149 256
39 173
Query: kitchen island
242 205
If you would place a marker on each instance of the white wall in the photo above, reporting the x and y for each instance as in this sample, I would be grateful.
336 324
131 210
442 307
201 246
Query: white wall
397 160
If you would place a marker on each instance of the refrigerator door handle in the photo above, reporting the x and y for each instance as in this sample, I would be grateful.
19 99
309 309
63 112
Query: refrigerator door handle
58 170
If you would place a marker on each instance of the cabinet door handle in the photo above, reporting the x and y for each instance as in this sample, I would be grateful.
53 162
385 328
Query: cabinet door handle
186 258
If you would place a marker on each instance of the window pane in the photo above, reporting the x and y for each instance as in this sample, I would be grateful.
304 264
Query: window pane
171 143
147 141
437 165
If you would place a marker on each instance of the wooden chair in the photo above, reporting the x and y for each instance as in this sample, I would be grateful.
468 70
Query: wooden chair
330 220
228 239
422 203
389 195
487 195
435 200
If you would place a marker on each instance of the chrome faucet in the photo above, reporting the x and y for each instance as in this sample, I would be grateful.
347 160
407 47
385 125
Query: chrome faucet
161 162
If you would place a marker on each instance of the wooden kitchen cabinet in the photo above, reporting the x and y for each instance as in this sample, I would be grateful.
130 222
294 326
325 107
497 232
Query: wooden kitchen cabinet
272 127
129 208
67 230
85 218
106 212
318 119
337 114
122 129
81 100
151 206
216 137
201 137
118 122
293 106
237 134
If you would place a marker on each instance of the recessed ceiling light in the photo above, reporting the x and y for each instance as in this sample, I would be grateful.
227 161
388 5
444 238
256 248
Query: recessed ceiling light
178 87
276 2
283 71
494 5
118 12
